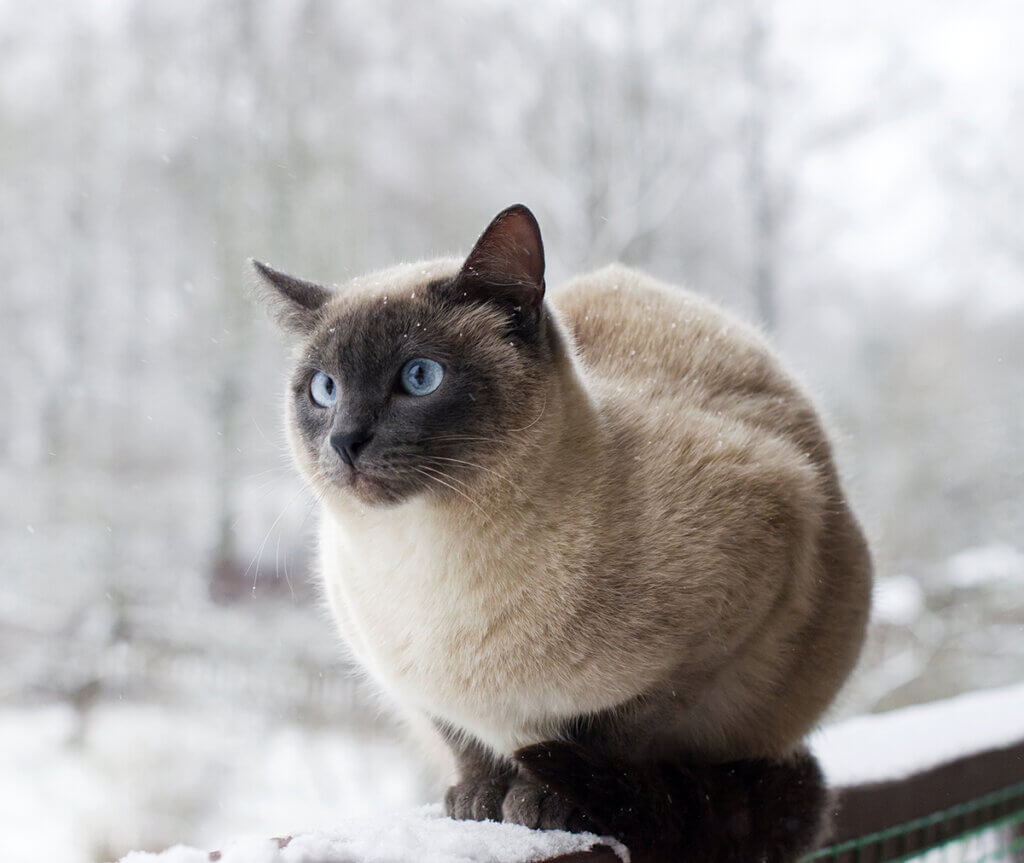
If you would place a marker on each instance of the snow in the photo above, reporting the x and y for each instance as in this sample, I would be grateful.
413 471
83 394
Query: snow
898 601
424 835
985 564
896 744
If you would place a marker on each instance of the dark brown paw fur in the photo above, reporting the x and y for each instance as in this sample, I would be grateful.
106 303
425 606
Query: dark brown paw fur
476 799
540 807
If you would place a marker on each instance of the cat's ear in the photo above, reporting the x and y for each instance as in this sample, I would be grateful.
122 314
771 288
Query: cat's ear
295 303
507 264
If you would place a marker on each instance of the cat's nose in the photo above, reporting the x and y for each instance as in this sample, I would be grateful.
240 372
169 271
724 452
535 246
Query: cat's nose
348 444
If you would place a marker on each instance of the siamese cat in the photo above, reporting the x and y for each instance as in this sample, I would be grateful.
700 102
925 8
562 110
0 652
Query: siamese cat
596 539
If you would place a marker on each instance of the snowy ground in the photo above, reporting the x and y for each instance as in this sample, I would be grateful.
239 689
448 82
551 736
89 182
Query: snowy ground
127 776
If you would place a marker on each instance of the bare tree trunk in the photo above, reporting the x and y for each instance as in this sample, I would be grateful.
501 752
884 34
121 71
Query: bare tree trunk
232 171
760 195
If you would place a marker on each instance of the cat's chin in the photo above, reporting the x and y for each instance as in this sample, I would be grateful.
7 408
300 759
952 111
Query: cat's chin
371 491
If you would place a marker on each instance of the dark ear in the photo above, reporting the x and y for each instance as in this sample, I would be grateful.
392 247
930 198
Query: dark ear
507 265
294 302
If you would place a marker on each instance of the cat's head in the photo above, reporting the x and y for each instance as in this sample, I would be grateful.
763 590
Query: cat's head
420 378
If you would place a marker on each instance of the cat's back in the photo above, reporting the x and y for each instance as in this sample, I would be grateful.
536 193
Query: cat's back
652 343
721 456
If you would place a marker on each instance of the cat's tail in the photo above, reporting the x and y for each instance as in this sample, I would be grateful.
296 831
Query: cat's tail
744 811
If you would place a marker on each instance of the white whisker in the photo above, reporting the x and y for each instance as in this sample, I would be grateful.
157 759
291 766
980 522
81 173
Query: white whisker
259 551
437 477
471 464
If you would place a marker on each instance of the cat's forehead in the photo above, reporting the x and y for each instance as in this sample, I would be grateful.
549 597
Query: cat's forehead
372 315
395 282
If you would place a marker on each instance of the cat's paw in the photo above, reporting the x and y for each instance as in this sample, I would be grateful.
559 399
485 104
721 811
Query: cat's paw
541 808
476 799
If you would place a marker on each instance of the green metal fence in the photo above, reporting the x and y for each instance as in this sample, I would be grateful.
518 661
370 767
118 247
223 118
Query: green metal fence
987 828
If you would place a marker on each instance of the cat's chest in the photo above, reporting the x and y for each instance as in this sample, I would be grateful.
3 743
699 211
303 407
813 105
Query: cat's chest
395 588
427 614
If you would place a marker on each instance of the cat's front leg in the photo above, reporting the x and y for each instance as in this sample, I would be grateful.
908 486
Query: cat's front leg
491 788
483 783
476 798
535 804
755 809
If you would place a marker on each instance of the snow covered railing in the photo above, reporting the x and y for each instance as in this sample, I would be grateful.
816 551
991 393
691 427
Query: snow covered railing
948 774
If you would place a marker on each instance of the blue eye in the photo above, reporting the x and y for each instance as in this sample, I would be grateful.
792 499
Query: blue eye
421 376
323 390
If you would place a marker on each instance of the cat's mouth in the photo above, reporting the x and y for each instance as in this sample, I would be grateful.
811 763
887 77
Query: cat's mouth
370 489
370 482
364 485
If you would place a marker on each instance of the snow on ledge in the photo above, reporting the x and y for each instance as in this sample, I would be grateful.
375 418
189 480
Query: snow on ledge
423 835
892 745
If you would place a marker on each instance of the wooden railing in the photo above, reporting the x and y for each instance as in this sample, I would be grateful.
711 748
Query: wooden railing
979 796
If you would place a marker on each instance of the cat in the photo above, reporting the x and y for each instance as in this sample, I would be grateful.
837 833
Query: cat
596 540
